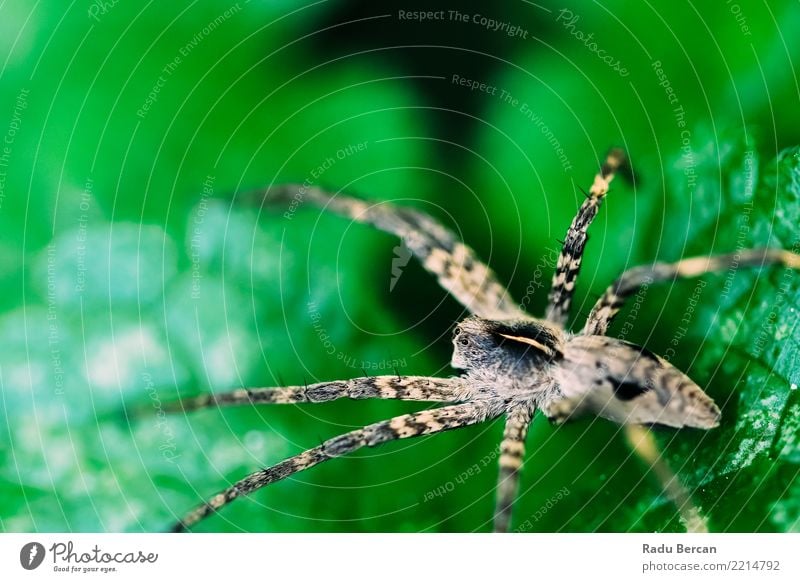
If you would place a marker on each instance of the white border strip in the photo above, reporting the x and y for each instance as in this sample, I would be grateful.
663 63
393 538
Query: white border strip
398 557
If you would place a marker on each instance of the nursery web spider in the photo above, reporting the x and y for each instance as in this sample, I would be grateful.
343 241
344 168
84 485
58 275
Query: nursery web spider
513 364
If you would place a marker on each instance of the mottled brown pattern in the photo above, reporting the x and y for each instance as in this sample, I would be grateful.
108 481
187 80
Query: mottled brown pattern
400 427
631 280
513 364
438 249
423 388
512 452
569 261
596 367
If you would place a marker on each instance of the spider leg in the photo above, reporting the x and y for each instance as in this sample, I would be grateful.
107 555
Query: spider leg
388 387
400 427
455 265
644 445
512 451
630 281
569 262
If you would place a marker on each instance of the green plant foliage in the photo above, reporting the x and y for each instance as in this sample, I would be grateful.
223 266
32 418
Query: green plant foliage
131 279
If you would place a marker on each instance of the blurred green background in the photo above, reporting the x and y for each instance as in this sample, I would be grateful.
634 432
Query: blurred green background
129 278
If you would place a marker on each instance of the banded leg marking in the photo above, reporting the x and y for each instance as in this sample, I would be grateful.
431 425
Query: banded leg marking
401 427
421 388
453 263
630 281
512 452
569 261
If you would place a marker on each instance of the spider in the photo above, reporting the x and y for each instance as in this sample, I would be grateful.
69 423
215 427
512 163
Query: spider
513 364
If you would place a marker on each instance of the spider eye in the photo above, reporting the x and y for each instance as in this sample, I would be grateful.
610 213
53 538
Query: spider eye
463 341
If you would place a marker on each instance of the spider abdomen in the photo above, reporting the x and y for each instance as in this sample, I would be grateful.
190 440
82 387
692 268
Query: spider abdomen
629 384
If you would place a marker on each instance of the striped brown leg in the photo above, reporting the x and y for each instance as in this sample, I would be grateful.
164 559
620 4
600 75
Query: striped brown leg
512 451
405 426
628 284
569 262
454 264
389 387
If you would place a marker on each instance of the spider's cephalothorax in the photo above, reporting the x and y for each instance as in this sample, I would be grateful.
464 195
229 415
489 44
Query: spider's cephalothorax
533 362
513 364
507 348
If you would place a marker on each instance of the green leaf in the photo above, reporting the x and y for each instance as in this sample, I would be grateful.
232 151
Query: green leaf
130 280
141 283
735 333
747 341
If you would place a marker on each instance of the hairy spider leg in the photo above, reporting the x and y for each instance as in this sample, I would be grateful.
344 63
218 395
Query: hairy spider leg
569 261
422 388
644 445
630 281
400 427
512 453
453 263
